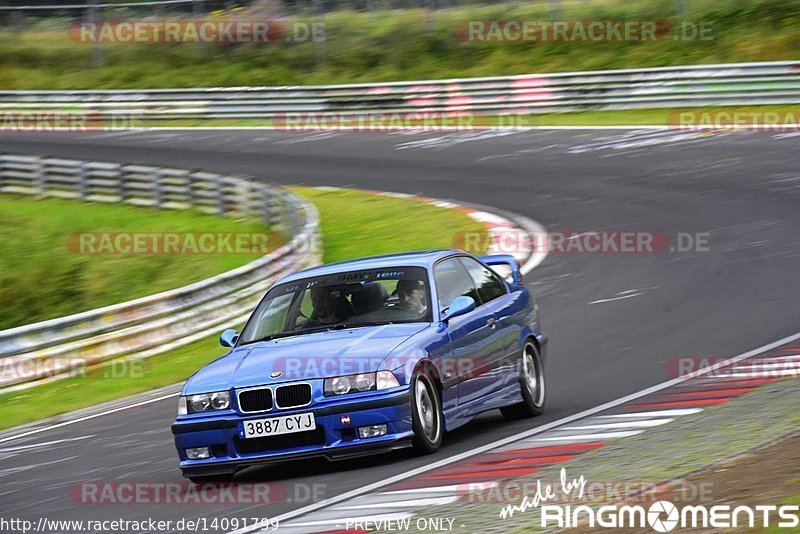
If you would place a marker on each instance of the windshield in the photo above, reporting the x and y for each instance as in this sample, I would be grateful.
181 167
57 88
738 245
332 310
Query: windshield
341 300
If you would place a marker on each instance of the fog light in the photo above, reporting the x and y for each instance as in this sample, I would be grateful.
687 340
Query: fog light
372 431
199 453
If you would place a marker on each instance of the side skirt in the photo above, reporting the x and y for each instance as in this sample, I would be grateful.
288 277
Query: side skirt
464 413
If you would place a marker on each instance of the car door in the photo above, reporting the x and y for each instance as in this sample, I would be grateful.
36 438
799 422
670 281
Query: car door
507 324
470 334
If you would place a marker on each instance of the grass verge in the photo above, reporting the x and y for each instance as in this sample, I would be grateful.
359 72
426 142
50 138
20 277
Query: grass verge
354 223
44 274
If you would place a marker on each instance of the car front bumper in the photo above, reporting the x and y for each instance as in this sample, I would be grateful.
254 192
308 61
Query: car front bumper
333 439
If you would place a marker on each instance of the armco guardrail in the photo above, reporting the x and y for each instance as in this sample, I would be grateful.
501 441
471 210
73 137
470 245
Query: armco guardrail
700 85
153 324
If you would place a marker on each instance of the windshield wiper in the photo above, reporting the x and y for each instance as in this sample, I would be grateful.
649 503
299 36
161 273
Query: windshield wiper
287 334
358 324
322 328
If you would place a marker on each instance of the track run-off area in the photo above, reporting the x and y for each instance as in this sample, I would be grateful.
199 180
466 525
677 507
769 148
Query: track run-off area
617 321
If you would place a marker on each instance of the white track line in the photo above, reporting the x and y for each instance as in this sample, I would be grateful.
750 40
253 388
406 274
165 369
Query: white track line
781 360
762 364
86 418
766 374
539 253
413 503
283 518
602 301
43 444
646 423
660 413
602 436
441 489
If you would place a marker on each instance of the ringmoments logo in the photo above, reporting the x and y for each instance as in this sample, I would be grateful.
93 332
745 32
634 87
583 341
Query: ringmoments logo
661 516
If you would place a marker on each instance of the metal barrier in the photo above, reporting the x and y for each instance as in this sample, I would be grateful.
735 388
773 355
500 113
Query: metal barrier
685 86
147 326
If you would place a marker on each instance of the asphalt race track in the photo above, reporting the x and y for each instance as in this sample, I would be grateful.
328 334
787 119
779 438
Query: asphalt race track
615 320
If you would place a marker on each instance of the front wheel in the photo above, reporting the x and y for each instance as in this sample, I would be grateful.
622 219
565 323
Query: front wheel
426 413
531 380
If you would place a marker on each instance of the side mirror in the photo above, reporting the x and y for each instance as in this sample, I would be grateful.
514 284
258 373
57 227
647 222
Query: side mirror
505 265
459 306
229 337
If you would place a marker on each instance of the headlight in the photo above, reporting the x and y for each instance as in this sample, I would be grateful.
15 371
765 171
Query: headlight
207 402
386 380
341 385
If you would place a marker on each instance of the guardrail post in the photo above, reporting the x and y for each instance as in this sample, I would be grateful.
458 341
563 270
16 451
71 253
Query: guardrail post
278 216
158 190
83 180
265 202
220 189
190 183
243 188
121 183
39 178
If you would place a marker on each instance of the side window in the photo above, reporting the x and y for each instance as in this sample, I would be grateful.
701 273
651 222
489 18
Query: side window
453 281
489 285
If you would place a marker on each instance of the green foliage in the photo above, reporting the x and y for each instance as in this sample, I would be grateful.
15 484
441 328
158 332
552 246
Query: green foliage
372 224
404 45
42 277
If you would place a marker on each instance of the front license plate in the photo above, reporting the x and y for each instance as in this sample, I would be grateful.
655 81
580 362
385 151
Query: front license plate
286 424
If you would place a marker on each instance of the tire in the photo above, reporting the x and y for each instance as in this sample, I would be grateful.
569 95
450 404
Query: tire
532 386
426 413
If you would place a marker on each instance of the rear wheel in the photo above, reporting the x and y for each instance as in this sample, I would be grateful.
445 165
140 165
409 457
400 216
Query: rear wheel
531 380
426 413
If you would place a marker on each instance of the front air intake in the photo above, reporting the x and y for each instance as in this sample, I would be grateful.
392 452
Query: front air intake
293 395
255 400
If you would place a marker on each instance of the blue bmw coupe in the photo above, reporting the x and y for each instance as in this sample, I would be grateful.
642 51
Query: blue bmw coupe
365 356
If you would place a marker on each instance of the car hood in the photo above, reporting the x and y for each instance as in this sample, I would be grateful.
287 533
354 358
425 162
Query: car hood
302 357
